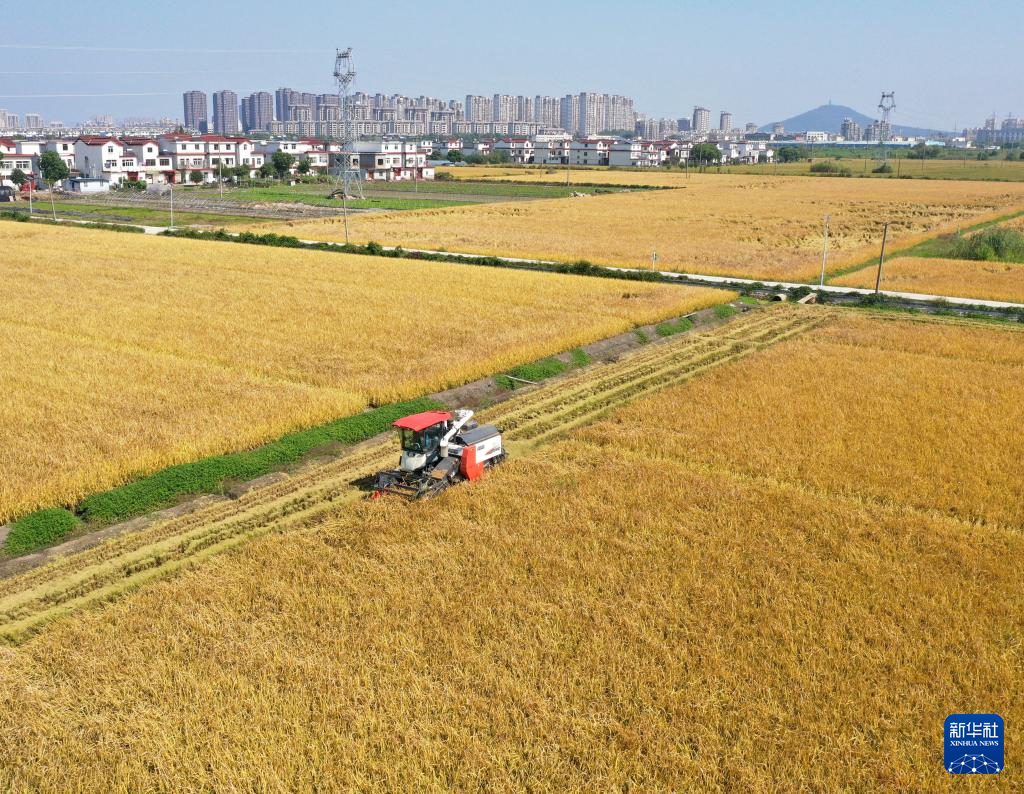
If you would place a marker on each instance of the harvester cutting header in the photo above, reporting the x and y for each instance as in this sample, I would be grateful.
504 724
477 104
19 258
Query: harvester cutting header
440 448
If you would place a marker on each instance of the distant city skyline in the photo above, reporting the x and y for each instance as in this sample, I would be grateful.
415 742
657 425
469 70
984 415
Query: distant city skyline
769 62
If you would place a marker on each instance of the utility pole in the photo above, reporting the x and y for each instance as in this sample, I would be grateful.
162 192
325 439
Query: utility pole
824 251
344 211
881 259
171 227
53 206
30 182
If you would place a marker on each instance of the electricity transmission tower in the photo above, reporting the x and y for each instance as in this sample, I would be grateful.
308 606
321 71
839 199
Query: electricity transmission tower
886 106
348 182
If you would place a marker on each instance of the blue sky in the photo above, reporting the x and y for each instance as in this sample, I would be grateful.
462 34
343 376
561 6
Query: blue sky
947 62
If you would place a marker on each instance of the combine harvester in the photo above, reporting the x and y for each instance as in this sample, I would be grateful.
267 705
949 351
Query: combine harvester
440 448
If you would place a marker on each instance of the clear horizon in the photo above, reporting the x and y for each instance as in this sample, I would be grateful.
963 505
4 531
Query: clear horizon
761 63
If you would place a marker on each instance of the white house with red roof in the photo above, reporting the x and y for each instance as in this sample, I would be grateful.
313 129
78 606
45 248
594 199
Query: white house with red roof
392 161
107 158
551 150
520 150
316 152
591 151
220 151
17 157
65 148
637 154
156 167
185 155
295 148
247 154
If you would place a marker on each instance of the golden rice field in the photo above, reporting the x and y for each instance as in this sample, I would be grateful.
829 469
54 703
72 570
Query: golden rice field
1000 281
754 227
125 353
903 167
970 169
775 572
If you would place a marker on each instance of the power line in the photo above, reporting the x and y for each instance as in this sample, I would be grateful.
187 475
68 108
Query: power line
77 48
67 96
122 71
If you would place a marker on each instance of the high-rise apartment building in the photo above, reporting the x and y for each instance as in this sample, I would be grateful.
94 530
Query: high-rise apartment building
619 112
479 108
225 112
524 109
328 107
284 98
593 113
701 120
257 111
850 129
547 111
879 131
196 111
503 107
33 122
569 113
725 121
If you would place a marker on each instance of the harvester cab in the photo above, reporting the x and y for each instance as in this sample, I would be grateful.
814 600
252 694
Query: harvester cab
440 448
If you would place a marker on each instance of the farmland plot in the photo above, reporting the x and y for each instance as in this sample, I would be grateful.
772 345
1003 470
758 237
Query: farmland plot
124 353
30 601
954 170
754 227
965 278
639 605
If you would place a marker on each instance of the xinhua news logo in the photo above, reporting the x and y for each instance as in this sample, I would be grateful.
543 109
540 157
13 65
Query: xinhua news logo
974 744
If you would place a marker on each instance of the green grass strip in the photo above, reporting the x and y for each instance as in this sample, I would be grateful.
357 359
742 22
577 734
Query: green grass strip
208 475
724 310
39 529
580 357
673 327
537 371
23 217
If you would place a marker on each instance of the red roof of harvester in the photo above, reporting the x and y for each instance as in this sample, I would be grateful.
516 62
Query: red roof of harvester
423 421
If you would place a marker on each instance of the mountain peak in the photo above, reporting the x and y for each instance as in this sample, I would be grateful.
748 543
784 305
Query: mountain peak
829 118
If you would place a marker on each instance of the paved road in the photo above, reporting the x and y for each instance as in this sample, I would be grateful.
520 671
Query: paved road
729 280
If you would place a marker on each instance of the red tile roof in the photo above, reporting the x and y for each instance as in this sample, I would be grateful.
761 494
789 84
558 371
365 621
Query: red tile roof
97 140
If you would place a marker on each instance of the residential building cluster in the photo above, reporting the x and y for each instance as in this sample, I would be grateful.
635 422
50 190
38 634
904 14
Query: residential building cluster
564 150
98 162
851 131
996 133
297 113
